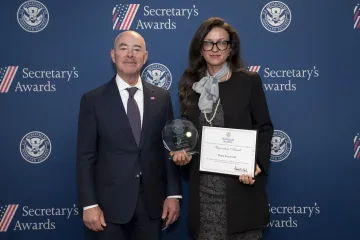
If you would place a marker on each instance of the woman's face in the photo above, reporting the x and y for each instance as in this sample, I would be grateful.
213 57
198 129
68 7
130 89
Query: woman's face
216 54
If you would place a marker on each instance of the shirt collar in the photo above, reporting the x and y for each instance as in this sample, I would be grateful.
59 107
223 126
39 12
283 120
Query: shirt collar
122 85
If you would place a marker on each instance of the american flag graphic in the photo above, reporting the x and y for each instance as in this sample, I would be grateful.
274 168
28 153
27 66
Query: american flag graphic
7 213
7 75
123 16
357 17
254 68
357 147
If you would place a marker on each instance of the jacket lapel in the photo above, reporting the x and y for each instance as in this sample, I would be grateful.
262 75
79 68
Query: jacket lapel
148 93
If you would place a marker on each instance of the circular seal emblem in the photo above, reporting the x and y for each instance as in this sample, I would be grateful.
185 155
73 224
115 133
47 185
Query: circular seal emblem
280 146
35 147
158 75
275 16
33 16
178 127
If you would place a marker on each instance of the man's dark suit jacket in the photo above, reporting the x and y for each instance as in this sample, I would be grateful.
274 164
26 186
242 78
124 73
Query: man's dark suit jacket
107 153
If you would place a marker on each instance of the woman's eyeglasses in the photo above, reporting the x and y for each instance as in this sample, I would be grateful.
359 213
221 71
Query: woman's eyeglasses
221 45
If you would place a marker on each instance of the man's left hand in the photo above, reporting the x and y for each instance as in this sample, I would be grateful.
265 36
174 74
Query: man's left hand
171 210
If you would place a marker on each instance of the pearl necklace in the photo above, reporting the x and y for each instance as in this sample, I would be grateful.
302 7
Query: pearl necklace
217 105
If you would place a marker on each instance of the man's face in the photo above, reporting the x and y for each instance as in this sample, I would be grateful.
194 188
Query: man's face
129 53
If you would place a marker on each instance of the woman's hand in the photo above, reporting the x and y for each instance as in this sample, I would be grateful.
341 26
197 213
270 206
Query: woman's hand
247 179
180 157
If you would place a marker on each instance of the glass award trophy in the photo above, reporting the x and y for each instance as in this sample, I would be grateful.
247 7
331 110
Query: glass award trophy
180 134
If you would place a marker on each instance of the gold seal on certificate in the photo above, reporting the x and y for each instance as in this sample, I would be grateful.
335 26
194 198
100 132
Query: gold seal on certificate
180 134
228 151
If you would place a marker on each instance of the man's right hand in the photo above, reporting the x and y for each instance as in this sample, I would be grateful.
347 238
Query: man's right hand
180 157
94 219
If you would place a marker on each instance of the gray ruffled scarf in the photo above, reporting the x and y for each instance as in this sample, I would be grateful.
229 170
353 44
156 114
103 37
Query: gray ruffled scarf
208 87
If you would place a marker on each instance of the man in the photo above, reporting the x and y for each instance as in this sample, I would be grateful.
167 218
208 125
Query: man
126 183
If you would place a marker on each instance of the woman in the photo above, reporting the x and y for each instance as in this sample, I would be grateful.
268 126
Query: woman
216 91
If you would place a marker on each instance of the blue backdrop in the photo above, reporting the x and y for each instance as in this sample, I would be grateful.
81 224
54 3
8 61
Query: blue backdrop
306 52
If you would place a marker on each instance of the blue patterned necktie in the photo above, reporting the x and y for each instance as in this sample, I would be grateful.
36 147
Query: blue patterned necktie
133 114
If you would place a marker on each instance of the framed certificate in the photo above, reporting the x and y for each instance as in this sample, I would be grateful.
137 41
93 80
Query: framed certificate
228 151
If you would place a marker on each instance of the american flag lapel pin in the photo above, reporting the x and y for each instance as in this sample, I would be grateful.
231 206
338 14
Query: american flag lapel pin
152 98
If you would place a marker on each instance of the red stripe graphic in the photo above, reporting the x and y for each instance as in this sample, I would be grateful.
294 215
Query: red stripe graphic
118 26
131 15
358 156
115 16
254 68
356 14
14 208
8 216
12 78
358 26
8 78
356 145
136 6
5 218
126 18
3 83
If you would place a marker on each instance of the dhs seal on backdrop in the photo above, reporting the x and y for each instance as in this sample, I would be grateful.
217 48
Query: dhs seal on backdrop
275 16
33 16
35 147
280 146
158 75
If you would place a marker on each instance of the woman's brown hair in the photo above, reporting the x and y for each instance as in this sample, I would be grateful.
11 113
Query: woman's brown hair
197 64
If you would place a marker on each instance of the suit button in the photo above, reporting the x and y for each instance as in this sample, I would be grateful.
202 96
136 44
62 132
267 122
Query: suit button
137 176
